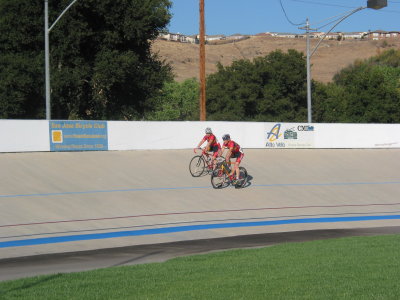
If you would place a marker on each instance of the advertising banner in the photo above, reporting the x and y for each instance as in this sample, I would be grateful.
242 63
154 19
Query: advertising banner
78 136
289 135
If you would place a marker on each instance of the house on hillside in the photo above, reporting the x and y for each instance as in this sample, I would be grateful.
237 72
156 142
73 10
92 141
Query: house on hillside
175 37
353 35
285 35
193 39
381 35
219 37
333 36
264 34
236 36
164 36
313 35
318 35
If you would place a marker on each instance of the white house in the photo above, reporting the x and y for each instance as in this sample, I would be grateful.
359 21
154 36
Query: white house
218 37
381 34
353 35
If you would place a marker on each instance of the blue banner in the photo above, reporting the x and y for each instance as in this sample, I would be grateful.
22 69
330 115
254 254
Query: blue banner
78 136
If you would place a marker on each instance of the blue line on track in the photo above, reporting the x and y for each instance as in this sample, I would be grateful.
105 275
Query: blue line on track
198 187
165 230
104 191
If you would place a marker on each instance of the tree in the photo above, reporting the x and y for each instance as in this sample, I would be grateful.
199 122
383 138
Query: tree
176 102
21 60
270 88
101 64
329 104
366 92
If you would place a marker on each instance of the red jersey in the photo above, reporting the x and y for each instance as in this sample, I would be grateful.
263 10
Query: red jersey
233 146
211 138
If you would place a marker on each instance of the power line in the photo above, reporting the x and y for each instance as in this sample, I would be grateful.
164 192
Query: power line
320 3
331 22
333 17
339 5
287 18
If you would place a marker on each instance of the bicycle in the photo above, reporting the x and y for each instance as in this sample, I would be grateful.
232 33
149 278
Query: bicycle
220 177
200 164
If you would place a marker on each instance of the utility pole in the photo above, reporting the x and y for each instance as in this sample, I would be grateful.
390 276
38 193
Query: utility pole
202 64
309 107
309 111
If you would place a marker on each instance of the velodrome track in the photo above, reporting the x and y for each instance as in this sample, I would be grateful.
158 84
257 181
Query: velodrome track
78 201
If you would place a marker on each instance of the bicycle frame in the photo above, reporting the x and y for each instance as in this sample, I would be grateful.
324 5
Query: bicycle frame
208 159
222 165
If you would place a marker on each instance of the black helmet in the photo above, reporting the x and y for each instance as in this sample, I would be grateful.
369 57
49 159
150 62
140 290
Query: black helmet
226 137
208 130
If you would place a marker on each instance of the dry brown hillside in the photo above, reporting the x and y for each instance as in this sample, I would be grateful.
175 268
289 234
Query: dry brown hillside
330 57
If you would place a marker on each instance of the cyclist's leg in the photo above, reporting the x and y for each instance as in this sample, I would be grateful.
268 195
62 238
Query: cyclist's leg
237 163
208 159
213 161
215 150
234 167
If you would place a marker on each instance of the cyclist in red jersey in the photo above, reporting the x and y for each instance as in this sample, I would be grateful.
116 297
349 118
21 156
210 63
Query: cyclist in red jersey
212 145
233 152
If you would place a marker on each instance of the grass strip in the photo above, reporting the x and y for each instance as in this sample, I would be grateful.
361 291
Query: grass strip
346 268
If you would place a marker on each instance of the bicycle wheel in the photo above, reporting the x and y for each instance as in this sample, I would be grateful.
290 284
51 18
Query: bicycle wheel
242 177
196 166
219 179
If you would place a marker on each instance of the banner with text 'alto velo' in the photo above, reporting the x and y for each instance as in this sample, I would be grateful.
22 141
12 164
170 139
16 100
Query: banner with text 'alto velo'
289 135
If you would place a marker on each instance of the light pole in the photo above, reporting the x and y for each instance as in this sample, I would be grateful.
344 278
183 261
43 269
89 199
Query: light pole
202 64
375 4
47 30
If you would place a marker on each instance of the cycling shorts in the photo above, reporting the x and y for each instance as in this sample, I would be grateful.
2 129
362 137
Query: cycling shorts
215 149
238 155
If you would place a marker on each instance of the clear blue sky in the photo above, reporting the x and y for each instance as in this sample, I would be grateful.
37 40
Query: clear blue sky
256 16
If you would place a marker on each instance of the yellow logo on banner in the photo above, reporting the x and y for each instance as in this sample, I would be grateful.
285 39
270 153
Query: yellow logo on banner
274 134
56 136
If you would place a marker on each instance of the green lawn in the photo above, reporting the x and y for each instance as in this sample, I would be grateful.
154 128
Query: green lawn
347 268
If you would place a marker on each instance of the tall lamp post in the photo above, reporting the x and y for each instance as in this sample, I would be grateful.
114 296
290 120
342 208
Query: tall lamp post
47 30
375 4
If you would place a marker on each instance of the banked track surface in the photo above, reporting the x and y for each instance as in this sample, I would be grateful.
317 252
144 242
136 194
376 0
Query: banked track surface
71 202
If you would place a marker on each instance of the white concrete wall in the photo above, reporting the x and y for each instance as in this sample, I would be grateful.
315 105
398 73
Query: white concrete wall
178 135
24 135
185 135
33 135
357 136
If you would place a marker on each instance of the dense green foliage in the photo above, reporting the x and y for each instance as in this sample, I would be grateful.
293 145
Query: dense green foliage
176 102
366 92
348 268
101 64
270 88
